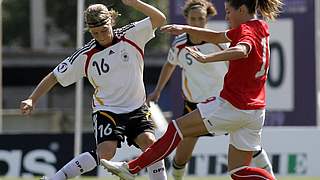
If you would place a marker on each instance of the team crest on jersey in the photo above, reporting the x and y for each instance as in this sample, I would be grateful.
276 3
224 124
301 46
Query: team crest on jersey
62 67
124 56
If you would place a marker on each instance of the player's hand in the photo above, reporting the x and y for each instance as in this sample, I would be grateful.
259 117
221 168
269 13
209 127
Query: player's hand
154 96
26 107
130 2
174 29
196 54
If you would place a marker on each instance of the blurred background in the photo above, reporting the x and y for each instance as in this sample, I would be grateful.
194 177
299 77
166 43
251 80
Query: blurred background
38 34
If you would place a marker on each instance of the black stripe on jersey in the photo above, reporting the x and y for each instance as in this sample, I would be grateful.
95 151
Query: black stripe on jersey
120 32
81 50
179 39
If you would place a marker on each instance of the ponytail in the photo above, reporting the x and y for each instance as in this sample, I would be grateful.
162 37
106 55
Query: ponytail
269 9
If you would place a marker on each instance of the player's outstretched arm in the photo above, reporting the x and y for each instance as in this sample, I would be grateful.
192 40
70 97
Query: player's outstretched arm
233 53
202 34
156 16
26 106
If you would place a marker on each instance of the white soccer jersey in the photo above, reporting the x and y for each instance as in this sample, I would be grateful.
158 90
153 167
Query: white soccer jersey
116 72
199 81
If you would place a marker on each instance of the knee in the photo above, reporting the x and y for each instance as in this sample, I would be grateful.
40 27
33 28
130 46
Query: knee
106 155
106 151
148 142
145 140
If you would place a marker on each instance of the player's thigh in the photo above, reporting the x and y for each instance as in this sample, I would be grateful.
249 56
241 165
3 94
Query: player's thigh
191 124
140 129
248 137
106 141
219 116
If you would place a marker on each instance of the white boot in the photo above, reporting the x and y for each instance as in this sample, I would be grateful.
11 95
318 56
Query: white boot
120 169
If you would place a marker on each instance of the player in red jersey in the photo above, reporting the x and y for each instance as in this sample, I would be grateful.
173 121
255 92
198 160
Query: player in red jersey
240 109
200 81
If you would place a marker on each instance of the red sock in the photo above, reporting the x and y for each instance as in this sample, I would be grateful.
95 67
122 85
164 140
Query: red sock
157 151
252 173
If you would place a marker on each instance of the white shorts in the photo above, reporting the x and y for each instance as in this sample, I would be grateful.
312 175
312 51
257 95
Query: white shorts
244 126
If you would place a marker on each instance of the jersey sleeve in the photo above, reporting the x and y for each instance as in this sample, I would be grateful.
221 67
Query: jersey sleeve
241 35
173 53
70 70
141 33
172 56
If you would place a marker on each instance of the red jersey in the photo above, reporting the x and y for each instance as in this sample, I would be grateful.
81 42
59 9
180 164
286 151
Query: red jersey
245 81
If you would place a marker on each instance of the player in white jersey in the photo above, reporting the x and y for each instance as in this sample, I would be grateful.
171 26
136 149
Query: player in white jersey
113 63
200 82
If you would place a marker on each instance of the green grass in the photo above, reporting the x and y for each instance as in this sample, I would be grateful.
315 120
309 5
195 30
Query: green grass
186 178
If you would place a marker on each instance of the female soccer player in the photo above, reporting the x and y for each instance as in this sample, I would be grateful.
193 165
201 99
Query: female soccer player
240 108
113 63
200 81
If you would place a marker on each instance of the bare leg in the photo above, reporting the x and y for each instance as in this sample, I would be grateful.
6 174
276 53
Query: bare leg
188 125
238 158
238 166
184 150
182 156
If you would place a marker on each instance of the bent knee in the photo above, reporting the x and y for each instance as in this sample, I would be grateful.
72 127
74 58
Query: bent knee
106 150
146 144
145 140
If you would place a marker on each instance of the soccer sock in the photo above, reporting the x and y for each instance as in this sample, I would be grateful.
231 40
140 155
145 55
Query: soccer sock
250 173
176 166
157 171
178 171
80 164
261 160
158 150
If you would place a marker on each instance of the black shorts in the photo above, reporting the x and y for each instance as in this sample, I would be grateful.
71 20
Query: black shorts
188 107
110 126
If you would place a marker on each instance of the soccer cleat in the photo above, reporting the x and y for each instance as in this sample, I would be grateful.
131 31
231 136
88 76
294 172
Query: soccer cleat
118 168
44 178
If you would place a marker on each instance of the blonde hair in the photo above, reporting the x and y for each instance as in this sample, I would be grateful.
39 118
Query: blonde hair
202 4
98 14
269 9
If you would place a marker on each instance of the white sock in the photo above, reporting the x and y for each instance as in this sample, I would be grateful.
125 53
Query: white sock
178 174
262 161
157 171
77 166
178 170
